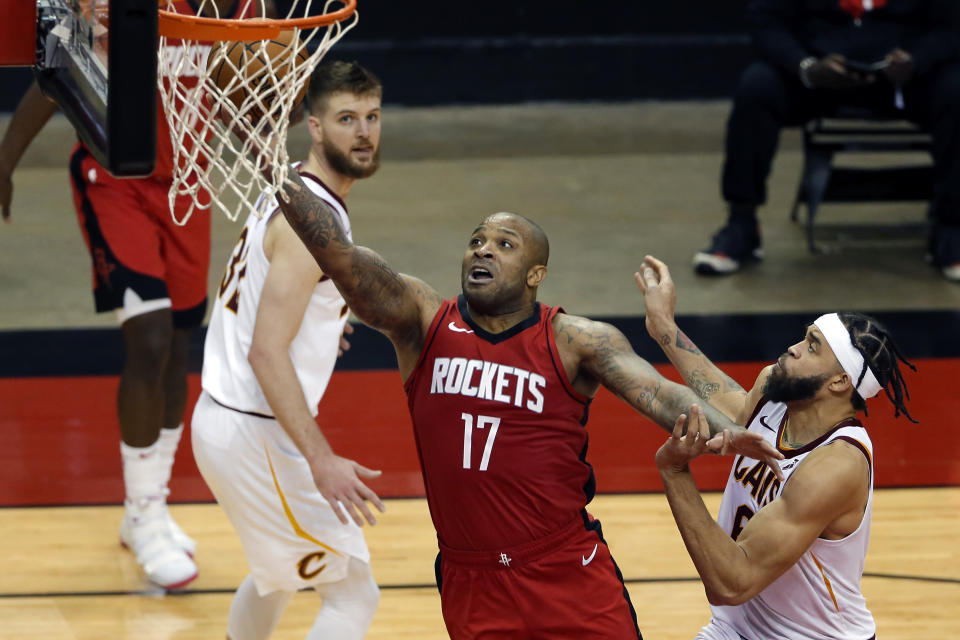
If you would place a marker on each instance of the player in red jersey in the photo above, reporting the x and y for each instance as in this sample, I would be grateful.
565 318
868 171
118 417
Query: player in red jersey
498 387
153 274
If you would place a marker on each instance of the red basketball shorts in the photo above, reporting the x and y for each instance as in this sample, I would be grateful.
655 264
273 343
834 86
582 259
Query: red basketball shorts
565 585
135 244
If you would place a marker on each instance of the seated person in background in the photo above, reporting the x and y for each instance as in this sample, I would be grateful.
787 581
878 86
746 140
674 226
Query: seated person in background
896 57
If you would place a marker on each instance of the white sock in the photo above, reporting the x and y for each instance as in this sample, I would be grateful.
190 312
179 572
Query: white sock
168 442
142 477
252 616
348 605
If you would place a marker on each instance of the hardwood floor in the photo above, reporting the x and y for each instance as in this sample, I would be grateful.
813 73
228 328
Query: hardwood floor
63 575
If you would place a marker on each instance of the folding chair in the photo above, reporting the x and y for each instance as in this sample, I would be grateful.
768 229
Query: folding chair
856 130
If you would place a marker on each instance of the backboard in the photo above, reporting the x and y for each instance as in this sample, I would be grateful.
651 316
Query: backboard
98 60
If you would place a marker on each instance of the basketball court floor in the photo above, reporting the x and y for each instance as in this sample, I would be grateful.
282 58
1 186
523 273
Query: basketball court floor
609 183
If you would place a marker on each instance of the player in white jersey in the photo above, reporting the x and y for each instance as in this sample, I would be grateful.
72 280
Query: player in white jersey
785 558
270 349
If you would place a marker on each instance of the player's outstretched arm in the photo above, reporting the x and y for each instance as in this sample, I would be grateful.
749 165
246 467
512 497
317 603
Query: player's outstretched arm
289 285
825 497
395 304
32 113
604 354
698 371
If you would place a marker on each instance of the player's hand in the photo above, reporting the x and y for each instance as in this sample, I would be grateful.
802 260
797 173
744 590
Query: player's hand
339 481
659 297
344 343
747 443
900 67
830 72
691 432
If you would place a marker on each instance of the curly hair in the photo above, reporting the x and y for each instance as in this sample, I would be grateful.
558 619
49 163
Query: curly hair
883 356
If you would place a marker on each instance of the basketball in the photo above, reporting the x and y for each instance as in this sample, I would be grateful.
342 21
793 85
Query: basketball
242 69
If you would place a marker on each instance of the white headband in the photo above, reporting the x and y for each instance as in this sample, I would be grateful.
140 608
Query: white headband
850 359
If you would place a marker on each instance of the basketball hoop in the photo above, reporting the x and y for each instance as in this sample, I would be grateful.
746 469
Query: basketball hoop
195 27
218 75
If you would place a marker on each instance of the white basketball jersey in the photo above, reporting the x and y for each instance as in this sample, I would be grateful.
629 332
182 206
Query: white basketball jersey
819 597
227 375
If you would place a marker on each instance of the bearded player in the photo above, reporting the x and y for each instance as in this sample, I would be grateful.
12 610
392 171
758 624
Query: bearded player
785 557
269 353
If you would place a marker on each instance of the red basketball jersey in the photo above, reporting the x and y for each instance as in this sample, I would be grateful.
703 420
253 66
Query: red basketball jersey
499 429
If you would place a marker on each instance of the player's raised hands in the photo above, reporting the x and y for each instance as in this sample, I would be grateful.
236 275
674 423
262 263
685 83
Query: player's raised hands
691 438
339 481
688 441
659 296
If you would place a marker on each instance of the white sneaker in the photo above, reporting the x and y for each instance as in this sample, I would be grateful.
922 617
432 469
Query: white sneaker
184 541
734 245
148 536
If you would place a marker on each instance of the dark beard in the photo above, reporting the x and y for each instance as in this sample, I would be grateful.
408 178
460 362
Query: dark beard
504 299
487 305
780 388
342 164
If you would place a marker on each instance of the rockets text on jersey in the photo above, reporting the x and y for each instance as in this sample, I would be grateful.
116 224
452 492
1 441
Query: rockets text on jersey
500 431
488 381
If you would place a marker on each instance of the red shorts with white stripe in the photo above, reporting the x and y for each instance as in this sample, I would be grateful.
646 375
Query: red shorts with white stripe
135 244
565 585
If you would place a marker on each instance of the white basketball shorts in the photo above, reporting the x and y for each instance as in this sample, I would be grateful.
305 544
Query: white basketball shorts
290 535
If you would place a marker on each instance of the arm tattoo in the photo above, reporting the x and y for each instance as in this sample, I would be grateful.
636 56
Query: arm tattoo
647 396
569 331
377 294
678 399
602 346
608 356
701 384
685 343
312 218
632 378
699 372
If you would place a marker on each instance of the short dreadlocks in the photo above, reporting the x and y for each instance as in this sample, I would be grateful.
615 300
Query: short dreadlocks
883 356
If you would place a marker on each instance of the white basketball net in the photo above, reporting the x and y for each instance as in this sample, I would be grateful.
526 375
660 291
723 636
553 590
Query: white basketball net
211 166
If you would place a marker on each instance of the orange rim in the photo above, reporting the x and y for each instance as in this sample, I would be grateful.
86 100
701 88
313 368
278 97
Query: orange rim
187 27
